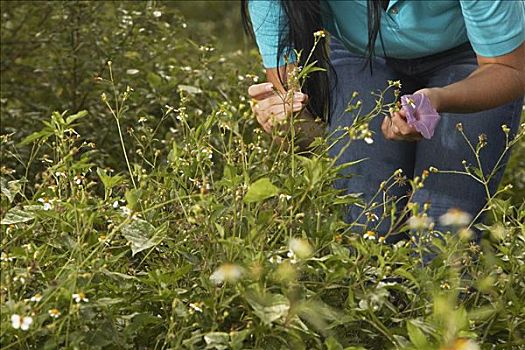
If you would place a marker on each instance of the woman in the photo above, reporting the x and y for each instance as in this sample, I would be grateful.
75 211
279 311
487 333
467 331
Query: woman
465 58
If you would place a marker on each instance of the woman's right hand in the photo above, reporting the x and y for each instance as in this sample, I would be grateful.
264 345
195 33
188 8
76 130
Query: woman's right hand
271 107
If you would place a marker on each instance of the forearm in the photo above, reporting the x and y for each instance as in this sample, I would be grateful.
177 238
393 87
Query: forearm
489 86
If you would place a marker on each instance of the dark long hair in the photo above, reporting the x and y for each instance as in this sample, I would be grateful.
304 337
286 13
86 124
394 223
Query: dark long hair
302 19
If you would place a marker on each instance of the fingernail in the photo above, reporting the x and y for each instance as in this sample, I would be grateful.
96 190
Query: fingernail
269 87
298 95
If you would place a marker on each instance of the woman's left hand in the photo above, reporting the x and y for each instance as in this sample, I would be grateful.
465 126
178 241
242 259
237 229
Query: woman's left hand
395 127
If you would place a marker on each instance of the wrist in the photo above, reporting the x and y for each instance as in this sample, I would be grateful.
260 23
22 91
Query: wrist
435 95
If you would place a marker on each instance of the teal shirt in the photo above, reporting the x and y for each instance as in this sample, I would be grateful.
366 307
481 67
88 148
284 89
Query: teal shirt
409 28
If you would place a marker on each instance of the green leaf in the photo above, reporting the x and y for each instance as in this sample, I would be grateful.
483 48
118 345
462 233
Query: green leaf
269 308
190 89
417 337
43 134
154 79
74 117
237 338
140 234
109 181
16 216
217 340
332 344
132 197
260 190
10 189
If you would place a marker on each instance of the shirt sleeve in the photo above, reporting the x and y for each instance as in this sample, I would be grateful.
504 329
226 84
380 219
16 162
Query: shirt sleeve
268 19
494 27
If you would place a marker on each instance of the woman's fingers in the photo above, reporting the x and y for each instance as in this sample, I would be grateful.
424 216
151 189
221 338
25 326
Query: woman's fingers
400 127
273 109
275 100
260 91
395 127
277 113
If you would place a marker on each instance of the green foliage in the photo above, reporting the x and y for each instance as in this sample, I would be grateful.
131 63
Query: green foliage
163 218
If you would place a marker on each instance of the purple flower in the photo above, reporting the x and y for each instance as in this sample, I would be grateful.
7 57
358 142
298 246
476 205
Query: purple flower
420 113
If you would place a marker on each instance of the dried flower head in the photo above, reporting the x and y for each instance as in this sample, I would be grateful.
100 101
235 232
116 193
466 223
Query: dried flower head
455 217
300 247
227 273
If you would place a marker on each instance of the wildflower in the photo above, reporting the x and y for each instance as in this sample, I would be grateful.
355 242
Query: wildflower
5 257
370 235
226 273
462 344
445 285
55 313
275 259
482 138
21 322
196 306
36 298
80 297
371 216
46 202
395 83
320 34
300 247
420 222
285 197
157 13
126 211
455 217
369 140
79 179
381 239
132 71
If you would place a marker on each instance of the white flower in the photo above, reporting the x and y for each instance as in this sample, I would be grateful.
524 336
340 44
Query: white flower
300 247
455 217
5 257
157 13
80 297
21 322
55 313
36 298
275 259
79 179
370 235
320 34
285 197
196 307
46 202
126 211
226 273
369 140
132 71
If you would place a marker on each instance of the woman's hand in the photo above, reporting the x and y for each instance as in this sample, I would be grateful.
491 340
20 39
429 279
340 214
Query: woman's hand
271 107
395 127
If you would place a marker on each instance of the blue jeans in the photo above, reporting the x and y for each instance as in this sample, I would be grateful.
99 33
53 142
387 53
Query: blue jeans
445 150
